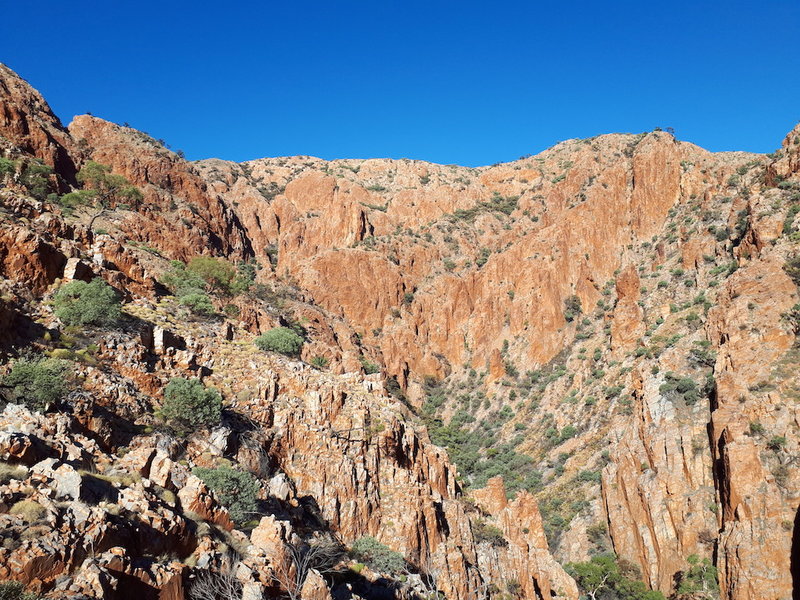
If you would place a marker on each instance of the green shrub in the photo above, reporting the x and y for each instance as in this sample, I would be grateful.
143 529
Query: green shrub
36 381
320 362
198 302
598 535
107 186
189 405
378 556
236 490
702 354
589 477
793 318
776 443
788 221
206 274
102 190
572 308
568 432
683 388
280 339
7 167
14 590
81 303
485 532
483 257
792 268
77 198
369 366
700 579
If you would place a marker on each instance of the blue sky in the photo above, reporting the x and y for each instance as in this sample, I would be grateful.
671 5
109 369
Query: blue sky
452 82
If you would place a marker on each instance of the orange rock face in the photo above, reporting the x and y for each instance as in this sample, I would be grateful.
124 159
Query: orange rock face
752 431
29 124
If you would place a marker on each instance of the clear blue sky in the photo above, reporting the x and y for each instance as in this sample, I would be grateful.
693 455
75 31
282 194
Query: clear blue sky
452 82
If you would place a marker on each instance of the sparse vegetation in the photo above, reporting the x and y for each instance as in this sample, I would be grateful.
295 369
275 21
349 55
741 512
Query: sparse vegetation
203 275
34 175
199 303
498 203
7 167
792 268
369 367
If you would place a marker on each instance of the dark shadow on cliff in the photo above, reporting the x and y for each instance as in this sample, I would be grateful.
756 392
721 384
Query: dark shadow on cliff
795 557
17 330
349 585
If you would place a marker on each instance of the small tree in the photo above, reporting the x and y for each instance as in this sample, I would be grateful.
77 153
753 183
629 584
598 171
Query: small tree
237 490
182 281
378 556
280 339
35 176
595 576
604 574
217 273
189 405
81 303
36 381
102 189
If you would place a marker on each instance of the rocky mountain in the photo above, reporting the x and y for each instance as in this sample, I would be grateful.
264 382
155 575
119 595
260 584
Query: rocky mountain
571 374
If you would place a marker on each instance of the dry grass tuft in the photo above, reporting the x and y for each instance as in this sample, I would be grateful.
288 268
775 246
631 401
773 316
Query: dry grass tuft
29 510
9 472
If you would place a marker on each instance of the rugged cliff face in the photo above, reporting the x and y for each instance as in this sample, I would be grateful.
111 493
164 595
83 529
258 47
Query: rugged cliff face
610 326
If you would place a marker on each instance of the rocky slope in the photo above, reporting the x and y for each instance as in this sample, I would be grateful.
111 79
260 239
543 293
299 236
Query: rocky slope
609 325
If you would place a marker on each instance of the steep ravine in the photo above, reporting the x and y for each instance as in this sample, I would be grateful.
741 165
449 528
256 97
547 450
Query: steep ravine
612 319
